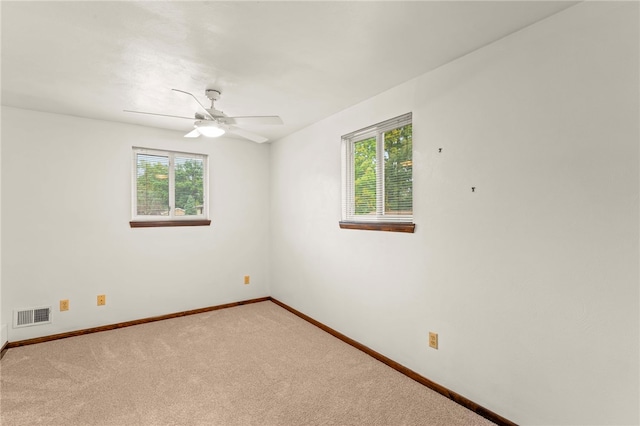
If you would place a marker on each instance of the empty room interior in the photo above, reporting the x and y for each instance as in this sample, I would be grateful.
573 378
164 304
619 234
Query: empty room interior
451 187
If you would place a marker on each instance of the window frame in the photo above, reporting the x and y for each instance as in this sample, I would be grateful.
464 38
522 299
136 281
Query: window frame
380 221
147 221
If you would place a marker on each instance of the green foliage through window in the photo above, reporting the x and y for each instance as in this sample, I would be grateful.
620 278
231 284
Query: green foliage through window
189 185
379 172
153 185
162 191
398 171
365 164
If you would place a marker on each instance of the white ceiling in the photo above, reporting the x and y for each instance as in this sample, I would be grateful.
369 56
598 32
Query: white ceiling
301 60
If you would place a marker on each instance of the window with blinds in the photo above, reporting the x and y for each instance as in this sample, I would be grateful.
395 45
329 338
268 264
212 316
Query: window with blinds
378 173
169 185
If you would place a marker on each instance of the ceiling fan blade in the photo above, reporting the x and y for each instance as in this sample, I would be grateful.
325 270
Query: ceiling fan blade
196 99
247 134
193 134
255 119
161 115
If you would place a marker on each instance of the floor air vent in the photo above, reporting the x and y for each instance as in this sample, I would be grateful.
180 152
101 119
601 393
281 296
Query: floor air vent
32 316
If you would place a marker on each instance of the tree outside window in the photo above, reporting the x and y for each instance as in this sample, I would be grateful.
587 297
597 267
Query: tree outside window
169 185
378 173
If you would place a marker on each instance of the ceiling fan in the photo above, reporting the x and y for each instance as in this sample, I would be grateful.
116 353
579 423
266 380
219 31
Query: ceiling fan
213 122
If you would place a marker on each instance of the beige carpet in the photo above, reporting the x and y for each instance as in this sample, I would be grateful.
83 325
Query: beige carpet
254 364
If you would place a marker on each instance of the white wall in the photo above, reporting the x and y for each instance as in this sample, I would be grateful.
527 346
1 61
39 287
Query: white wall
66 206
531 281
4 330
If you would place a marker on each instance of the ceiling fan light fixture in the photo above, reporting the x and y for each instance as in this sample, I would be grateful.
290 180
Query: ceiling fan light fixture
209 129
212 123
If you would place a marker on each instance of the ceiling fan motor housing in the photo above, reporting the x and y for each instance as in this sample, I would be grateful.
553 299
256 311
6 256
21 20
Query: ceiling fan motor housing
213 94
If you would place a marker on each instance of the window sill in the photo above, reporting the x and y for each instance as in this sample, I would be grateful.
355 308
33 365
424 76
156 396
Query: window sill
161 223
380 226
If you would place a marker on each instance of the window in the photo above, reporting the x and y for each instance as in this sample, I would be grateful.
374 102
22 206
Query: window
169 189
377 171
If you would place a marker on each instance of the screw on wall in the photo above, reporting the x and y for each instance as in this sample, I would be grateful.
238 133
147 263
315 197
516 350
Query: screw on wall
473 189
439 149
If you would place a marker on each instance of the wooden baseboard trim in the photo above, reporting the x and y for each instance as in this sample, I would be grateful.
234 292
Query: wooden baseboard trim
467 403
4 349
10 345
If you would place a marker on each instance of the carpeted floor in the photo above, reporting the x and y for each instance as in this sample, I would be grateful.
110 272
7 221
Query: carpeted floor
254 364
